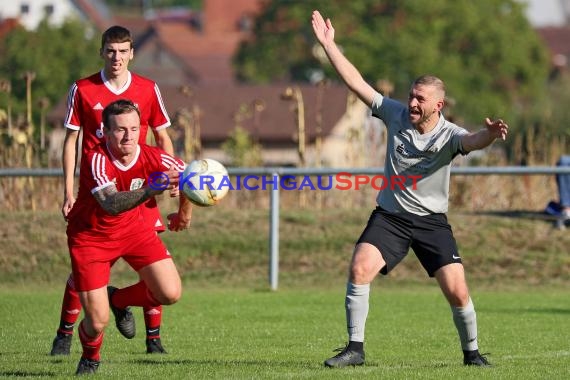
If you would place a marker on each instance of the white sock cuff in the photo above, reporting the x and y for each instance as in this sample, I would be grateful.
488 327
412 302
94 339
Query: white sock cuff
464 309
357 290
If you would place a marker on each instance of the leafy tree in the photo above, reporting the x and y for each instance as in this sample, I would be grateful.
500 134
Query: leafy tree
486 51
57 55
241 149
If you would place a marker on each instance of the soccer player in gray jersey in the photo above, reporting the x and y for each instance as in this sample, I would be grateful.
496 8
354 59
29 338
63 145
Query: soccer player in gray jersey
421 146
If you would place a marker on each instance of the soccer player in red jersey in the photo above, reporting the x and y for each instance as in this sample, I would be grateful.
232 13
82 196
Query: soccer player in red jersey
86 100
106 223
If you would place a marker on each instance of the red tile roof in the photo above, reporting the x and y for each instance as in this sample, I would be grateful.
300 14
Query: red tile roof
557 39
277 123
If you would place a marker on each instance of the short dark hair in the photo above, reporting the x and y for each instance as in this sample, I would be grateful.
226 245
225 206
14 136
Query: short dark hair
116 34
430 80
118 107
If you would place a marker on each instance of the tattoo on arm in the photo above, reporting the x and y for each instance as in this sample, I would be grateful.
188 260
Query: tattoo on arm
115 202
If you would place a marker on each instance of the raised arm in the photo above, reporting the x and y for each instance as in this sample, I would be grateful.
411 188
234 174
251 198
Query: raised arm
324 32
478 140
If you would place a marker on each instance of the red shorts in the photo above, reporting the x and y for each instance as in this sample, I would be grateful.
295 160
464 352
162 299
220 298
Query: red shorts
91 259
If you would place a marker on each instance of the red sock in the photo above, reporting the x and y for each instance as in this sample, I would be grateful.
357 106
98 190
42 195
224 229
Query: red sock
134 295
70 308
91 346
152 321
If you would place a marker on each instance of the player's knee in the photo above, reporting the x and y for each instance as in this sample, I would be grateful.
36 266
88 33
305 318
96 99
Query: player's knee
169 296
361 273
458 298
98 326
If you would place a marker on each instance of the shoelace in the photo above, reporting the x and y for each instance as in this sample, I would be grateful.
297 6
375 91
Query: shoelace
340 349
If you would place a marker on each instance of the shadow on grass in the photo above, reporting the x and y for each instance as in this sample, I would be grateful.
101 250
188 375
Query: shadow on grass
546 310
522 214
28 374
228 362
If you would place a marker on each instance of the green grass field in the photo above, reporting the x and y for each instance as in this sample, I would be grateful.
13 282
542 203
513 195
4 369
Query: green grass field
228 325
246 334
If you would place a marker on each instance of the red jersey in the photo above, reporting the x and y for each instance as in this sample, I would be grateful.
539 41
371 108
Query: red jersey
85 103
99 169
89 96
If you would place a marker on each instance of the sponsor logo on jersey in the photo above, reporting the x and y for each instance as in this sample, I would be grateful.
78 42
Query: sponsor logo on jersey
136 183
98 106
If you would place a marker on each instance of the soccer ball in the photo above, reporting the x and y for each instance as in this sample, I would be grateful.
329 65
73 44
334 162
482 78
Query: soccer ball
205 182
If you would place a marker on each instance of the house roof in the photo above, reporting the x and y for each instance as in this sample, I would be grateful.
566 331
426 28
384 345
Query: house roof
276 120
96 12
557 39
208 57
7 25
276 123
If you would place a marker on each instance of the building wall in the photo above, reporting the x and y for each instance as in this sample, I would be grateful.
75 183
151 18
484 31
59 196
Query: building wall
31 12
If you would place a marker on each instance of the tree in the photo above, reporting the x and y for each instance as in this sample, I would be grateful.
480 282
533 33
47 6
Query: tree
241 149
491 59
57 55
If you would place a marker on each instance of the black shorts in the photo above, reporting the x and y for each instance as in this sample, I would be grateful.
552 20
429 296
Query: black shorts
429 236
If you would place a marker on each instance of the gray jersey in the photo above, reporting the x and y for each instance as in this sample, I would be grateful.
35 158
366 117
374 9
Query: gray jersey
417 168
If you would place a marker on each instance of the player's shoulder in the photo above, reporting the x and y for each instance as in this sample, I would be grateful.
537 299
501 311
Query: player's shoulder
151 150
156 153
99 149
91 80
141 80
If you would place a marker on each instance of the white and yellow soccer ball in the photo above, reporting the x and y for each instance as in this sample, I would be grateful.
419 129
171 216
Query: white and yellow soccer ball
205 182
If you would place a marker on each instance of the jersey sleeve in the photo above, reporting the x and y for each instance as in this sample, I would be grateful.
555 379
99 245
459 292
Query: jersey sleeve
159 117
455 140
72 120
167 161
387 109
101 172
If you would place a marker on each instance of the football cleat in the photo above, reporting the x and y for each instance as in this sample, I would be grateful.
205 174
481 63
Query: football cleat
61 344
475 358
154 346
124 319
87 367
345 358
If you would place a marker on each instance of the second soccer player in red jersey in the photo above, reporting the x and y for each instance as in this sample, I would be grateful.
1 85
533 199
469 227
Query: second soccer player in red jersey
86 100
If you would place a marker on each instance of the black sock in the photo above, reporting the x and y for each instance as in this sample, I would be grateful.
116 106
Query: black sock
470 354
356 346
65 328
153 333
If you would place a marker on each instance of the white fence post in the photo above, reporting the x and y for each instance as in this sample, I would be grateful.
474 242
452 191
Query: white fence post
274 233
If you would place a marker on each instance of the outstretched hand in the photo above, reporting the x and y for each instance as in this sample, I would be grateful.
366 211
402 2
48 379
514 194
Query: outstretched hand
323 30
497 128
175 222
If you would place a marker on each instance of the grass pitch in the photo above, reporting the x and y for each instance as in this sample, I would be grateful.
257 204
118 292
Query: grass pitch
248 334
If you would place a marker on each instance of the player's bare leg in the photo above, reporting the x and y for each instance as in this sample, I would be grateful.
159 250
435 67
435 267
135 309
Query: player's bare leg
451 279
364 267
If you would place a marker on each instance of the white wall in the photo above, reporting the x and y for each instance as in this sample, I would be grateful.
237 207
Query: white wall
62 9
546 12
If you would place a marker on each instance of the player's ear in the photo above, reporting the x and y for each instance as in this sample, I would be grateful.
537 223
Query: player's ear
440 104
